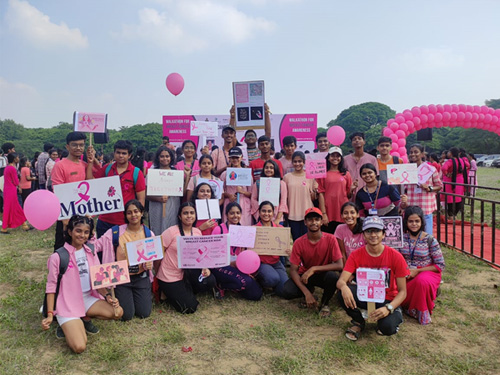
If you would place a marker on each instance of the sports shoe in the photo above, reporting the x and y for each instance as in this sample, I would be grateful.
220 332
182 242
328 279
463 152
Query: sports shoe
90 327
60 333
218 293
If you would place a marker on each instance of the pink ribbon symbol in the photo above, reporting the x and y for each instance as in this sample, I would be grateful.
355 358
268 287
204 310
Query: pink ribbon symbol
203 254
140 255
405 177
83 196
280 243
391 230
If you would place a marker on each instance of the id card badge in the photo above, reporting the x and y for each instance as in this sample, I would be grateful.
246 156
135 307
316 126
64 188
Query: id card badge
372 211
418 190
412 267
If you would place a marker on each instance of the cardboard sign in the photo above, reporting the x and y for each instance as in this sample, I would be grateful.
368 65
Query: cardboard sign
371 285
269 190
272 241
207 209
109 274
249 104
402 174
146 250
93 197
393 231
217 186
315 168
242 236
425 172
239 177
203 251
90 122
167 182
204 128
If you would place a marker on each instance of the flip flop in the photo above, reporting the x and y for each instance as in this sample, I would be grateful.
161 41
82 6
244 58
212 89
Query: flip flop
325 312
355 334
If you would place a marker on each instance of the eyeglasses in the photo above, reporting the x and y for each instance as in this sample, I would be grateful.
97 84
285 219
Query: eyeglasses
373 230
77 145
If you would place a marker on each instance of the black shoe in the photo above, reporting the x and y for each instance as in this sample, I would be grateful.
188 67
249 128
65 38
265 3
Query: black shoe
60 333
90 327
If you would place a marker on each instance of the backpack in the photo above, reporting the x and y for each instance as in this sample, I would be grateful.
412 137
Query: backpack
136 172
63 266
116 236
395 160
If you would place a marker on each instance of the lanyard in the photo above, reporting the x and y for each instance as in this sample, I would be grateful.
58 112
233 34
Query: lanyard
412 252
370 194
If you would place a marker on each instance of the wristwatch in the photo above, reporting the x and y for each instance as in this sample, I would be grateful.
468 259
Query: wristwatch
390 308
430 189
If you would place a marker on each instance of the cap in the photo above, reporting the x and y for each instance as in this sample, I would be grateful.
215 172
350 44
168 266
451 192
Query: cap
373 222
312 211
335 149
235 152
228 127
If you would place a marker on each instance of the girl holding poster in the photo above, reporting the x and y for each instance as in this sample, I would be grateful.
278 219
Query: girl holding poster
271 169
350 235
162 209
425 259
229 277
178 285
189 165
204 191
271 273
76 298
206 165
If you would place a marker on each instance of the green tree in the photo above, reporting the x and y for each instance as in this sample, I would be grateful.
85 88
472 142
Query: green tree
493 103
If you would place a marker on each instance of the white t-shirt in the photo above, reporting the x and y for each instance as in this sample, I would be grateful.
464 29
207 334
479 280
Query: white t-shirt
83 269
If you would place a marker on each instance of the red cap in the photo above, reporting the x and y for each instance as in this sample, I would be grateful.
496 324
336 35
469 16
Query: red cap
313 210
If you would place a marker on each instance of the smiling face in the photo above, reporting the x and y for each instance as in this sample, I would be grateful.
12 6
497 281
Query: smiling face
54 155
415 155
134 215
266 213
323 144
234 161
76 148
298 163
313 223
373 236
234 215
189 149
251 139
269 170
188 216
79 235
290 149
350 215
384 148
368 175
205 192
228 136
265 147
165 159
334 159
414 223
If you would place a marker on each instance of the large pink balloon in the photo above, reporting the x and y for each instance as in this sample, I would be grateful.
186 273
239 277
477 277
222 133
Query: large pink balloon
387 131
248 261
336 135
42 208
175 83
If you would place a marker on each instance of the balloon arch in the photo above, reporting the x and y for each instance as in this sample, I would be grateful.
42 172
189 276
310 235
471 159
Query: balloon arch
437 116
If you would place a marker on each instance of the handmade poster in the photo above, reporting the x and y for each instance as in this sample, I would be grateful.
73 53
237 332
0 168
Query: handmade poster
371 285
316 156
425 171
272 241
90 122
239 177
249 104
217 185
207 209
242 236
203 251
269 190
204 128
244 150
109 274
145 250
92 197
399 174
167 182
393 231
315 168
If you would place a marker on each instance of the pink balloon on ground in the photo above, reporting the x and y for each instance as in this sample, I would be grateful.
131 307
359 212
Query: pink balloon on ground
175 83
42 209
248 261
336 135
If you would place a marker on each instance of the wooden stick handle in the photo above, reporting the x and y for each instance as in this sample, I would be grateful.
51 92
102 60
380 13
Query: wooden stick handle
113 295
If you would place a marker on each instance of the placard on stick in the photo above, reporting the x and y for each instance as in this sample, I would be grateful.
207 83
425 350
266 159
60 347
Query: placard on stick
239 177
399 174
109 274
90 122
145 250
167 182
204 128
269 190
272 241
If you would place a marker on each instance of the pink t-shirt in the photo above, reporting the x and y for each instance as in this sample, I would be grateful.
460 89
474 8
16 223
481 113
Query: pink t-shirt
299 195
287 165
195 167
169 271
25 173
66 171
283 206
335 188
351 241
353 167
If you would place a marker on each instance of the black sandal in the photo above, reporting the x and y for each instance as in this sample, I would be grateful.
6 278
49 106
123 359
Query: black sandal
355 334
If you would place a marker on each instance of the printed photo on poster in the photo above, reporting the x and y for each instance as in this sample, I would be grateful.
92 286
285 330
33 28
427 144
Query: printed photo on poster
371 285
393 231
249 103
109 274
145 250
90 122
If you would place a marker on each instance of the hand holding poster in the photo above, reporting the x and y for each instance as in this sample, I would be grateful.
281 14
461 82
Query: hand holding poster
269 190
239 177
242 236
371 285
109 274
249 103
94 197
425 171
398 174
145 250
203 251
204 128
90 122
393 231
167 182
207 209
315 168
272 241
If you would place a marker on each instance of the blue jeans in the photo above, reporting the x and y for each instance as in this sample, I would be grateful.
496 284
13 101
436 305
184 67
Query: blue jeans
428 223
272 276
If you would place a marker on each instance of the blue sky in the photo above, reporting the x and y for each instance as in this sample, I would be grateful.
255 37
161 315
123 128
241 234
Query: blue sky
113 56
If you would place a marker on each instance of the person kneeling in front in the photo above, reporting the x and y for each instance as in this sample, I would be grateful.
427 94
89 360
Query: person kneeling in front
315 261
375 255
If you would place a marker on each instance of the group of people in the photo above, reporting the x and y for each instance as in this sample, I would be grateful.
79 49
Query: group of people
335 225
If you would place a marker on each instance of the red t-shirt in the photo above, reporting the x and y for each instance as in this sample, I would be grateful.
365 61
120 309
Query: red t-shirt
269 259
305 254
258 164
390 261
128 189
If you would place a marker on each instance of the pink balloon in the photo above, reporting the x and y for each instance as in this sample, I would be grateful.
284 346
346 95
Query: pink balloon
494 119
395 153
402 151
468 116
416 111
395 145
387 132
394 137
438 117
400 119
410 125
394 126
248 261
484 109
416 120
405 158
424 109
462 107
407 114
432 108
497 112
401 142
455 108
42 209
481 117
400 133
403 127
461 116
454 116
488 118
390 121
430 118
418 127
175 83
477 109
447 108
336 135
440 108
424 118
446 116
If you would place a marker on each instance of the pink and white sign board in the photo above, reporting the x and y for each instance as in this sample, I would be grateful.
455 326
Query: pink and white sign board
269 190
167 182
205 128
90 122
399 174
203 251
109 274
145 250
249 103
371 285
315 168
242 236
425 171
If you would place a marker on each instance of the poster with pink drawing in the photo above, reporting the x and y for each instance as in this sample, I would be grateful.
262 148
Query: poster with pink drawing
402 174
393 231
249 104
425 171
242 236
269 190
90 122
203 251
315 168
145 250
109 274
371 285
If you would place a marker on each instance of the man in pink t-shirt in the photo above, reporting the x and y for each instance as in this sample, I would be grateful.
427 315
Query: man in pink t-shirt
315 261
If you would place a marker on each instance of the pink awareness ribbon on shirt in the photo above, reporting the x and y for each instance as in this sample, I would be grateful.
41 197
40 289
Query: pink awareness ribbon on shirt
83 196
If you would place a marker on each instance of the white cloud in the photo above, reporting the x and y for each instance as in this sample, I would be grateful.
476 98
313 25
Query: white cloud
193 25
32 25
15 100
432 59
